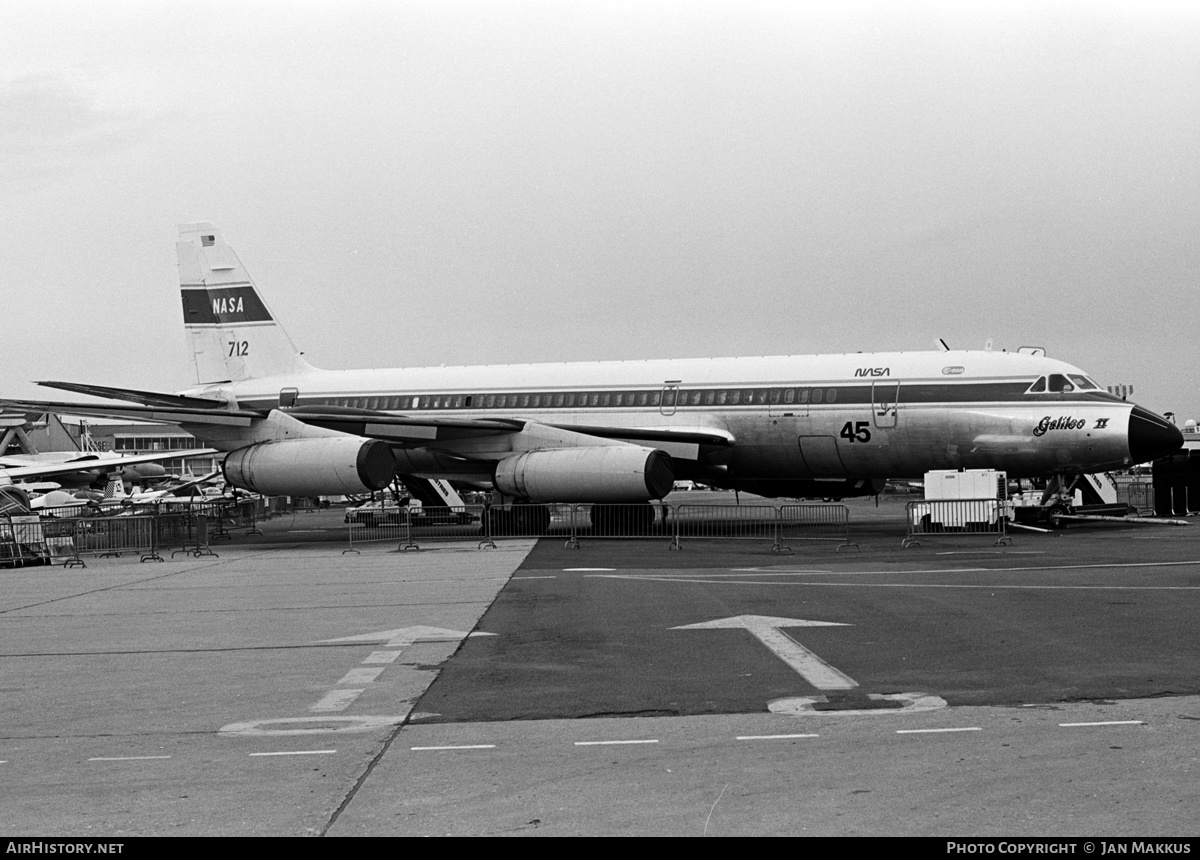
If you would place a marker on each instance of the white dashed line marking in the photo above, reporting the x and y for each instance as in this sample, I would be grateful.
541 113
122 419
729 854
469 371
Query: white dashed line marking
360 676
934 731
128 758
382 657
296 752
337 700
578 569
772 737
1105 723
610 743
458 747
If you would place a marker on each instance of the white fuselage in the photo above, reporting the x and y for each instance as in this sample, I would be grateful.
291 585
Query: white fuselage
788 418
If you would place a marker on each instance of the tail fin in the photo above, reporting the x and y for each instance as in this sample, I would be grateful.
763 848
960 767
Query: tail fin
231 331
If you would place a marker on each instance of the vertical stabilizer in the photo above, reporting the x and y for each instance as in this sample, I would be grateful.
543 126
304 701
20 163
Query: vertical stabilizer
232 334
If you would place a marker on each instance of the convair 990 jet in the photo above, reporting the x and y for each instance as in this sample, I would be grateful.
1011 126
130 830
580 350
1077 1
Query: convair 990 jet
617 431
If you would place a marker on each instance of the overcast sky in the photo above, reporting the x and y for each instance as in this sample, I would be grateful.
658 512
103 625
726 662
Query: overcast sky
449 182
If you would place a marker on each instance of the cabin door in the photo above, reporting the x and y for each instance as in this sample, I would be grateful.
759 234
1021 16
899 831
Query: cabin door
885 404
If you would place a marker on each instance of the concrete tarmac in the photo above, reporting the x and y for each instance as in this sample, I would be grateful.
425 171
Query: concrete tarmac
283 688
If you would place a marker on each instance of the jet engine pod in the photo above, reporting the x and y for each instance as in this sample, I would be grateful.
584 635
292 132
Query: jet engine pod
312 467
614 473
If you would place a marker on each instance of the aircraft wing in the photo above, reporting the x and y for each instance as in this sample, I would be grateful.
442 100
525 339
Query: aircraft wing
400 430
161 414
424 430
147 398
90 463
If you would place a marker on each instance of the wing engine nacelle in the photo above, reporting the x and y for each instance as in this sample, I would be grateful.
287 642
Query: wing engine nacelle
312 467
613 473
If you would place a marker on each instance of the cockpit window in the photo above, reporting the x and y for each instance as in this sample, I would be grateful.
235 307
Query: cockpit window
1037 387
1059 384
1082 382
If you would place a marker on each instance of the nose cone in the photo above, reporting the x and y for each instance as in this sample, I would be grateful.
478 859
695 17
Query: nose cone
1151 436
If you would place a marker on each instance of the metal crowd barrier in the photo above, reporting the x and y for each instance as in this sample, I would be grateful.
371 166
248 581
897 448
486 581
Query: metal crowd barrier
623 521
407 525
112 536
22 542
816 522
956 517
1139 495
410 527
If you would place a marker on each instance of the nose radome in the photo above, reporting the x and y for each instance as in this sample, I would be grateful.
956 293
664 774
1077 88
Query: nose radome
1151 436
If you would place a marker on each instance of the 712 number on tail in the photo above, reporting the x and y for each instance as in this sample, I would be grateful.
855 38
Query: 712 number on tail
856 431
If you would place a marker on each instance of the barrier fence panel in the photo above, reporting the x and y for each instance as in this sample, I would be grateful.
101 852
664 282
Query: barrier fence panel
22 542
1138 495
408 525
728 522
816 522
457 522
642 520
112 536
955 517
366 530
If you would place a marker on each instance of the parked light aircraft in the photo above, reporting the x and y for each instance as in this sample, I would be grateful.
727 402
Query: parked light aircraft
16 496
617 431
86 474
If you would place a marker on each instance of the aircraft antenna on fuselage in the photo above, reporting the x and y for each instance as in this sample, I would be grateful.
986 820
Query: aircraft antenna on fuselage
232 334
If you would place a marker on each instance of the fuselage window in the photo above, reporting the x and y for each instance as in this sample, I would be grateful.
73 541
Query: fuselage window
789 395
489 400
467 401
735 397
722 396
668 397
774 394
619 399
709 397
831 395
760 396
695 397
803 397
643 398
501 401
655 398
593 400
816 395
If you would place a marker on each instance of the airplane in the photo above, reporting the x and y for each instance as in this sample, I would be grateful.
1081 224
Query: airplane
807 426
87 475
16 497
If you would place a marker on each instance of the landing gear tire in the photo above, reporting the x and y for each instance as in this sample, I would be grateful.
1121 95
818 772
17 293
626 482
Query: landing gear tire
1055 515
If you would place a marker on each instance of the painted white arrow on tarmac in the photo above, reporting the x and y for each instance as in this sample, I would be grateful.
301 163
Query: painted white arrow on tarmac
814 670
402 637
